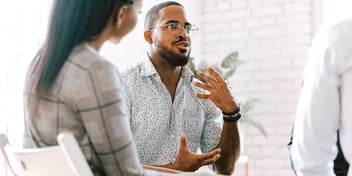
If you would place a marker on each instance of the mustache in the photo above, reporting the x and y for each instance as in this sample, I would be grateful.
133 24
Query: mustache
181 40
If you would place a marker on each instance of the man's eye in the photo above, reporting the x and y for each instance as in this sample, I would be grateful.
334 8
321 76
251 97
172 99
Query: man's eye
172 26
188 28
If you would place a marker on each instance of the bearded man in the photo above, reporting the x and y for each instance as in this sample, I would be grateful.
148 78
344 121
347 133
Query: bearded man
171 113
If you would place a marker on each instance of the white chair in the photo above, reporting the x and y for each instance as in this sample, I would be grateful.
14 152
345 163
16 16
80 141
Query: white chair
65 159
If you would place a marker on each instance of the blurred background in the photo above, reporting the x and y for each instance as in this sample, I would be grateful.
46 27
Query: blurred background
272 38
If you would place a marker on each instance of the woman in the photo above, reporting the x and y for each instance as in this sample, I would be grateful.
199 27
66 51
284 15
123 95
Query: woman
70 87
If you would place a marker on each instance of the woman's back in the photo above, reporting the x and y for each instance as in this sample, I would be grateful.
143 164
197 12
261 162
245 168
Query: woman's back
86 100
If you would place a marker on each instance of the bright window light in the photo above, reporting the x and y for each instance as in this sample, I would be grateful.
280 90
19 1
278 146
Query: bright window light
336 11
22 29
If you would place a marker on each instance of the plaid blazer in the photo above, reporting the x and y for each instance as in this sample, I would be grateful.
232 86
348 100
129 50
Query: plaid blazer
86 100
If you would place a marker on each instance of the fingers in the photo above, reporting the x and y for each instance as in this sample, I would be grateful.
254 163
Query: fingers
214 82
211 160
202 96
210 157
211 153
216 75
203 86
206 78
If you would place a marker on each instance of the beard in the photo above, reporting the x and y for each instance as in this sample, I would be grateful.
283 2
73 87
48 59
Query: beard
171 57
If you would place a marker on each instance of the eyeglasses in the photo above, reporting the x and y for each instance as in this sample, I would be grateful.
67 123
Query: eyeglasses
176 28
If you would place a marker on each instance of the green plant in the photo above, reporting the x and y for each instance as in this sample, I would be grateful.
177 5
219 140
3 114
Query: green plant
226 69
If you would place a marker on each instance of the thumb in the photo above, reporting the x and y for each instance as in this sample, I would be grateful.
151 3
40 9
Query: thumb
183 141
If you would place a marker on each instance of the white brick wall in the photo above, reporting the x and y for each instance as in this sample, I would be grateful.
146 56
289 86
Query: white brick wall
273 38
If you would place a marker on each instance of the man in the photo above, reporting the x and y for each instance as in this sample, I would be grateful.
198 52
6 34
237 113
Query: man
165 102
325 104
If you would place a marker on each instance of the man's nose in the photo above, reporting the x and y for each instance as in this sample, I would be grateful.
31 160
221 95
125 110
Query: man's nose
183 33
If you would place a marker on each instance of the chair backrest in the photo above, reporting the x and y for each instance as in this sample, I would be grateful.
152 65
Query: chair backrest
65 159
74 154
3 143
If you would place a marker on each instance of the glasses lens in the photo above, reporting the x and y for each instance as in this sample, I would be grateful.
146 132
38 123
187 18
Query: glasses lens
188 28
173 28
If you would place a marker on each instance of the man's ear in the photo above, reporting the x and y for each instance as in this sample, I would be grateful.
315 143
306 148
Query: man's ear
148 37
120 15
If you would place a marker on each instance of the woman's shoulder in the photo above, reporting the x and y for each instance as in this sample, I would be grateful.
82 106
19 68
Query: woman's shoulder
86 58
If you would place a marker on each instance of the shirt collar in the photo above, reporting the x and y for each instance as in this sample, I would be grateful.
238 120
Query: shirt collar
148 69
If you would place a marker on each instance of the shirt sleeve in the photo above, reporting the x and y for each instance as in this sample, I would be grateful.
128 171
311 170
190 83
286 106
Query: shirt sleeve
212 128
104 117
317 115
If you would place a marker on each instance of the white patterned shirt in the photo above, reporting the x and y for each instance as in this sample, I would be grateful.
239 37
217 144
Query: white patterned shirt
157 122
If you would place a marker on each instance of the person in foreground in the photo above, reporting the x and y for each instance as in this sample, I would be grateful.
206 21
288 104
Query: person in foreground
325 104
70 87
171 113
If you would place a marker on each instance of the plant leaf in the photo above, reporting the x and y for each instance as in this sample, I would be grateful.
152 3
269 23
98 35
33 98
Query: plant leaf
217 69
228 74
202 65
248 105
236 63
255 124
228 68
229 60
191 65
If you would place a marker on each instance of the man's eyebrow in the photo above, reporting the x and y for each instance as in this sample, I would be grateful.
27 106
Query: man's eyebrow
171 21
175 21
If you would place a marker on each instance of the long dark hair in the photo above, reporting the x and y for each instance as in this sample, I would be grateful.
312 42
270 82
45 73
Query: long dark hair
72 22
